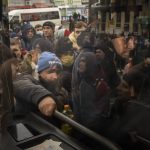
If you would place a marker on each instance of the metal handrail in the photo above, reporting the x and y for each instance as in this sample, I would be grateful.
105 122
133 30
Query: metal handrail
107 143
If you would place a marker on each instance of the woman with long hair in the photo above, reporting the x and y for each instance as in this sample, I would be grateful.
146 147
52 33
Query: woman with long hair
6 87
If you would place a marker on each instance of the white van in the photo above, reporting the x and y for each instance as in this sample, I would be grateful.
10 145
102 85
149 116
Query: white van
36 16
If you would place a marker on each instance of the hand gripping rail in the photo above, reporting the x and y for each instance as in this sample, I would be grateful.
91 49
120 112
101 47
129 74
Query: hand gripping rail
87 131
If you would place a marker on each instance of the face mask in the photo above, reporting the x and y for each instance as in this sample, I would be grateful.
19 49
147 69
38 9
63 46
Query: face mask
39 32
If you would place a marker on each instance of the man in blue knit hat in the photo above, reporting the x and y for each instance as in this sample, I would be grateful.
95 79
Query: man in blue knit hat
45 94
49 61
49 69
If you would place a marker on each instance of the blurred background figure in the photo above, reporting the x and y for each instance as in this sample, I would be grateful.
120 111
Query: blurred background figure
28 36
39 29
48 31
78 28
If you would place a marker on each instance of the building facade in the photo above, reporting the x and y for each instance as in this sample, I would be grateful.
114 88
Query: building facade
25 4
67 2
69 7
116 16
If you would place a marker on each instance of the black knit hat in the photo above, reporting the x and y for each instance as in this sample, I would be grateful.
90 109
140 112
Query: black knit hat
50 24
63 45
43 44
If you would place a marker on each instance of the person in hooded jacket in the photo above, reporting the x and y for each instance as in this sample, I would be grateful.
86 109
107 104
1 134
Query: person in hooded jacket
28 36
89 90
105 54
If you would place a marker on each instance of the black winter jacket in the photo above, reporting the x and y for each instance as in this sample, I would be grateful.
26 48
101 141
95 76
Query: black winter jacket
28 93
89 94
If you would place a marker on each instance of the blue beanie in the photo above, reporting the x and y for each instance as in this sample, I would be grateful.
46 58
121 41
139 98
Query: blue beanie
48 60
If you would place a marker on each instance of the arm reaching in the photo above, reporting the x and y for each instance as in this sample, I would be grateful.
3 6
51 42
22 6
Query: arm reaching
47 106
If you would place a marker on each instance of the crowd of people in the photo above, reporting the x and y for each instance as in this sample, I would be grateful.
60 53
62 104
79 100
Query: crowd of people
98 75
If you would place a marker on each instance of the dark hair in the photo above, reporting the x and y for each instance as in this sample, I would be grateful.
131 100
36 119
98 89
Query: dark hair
35 43
6 86
86 39
44 45
103 42
62 46
99 44
50 24
5 53
37 26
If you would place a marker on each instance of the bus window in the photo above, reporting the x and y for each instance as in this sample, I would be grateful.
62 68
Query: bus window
26 17
37 16
15 18
40 16
54 15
